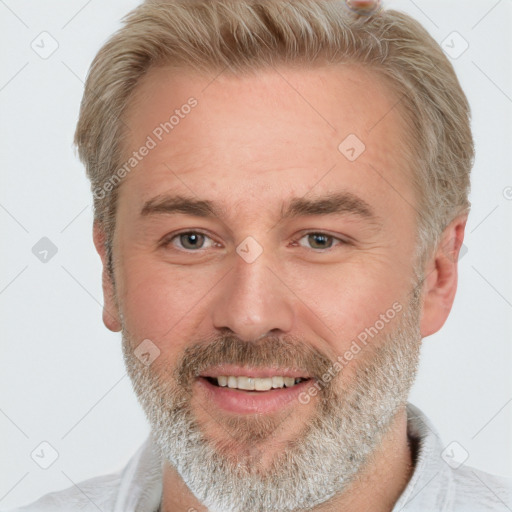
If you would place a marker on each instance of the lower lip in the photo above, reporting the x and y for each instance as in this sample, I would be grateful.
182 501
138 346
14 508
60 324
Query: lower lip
251 402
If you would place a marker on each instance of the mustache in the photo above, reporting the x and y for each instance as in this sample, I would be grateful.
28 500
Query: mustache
272 351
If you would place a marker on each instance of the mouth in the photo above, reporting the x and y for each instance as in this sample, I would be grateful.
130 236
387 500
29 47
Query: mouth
255 383
251 391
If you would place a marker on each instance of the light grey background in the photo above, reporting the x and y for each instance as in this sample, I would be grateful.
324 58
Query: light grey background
62 378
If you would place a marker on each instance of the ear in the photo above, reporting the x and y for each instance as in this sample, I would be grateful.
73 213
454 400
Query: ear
440 282
110 307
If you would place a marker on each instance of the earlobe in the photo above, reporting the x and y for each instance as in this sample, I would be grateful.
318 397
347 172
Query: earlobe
440 284
110 308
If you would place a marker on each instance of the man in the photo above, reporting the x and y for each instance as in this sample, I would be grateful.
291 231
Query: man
281 191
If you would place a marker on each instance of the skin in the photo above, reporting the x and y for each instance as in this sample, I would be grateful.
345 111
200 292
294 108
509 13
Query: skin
251 144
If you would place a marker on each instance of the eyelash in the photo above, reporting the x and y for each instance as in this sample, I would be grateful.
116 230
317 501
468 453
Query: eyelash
168 241
327 235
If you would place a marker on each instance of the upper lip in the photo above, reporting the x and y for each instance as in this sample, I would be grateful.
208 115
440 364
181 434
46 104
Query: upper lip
253 371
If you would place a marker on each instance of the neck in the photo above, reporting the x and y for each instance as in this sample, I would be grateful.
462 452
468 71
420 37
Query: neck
377 488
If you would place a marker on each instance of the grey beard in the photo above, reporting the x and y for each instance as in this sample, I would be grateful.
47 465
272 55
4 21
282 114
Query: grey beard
320 462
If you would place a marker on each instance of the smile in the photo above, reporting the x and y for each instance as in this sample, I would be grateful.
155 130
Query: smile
250 395
254 383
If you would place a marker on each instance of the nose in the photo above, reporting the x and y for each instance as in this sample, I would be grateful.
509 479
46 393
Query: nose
253 302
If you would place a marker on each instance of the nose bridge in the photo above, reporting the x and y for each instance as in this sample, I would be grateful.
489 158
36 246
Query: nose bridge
253 301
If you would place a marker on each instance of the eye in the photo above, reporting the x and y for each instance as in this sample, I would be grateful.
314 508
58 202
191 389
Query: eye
320 240
189 240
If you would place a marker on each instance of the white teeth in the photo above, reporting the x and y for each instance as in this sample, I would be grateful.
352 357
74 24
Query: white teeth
246 383
253 383
277 382
289 382
263 384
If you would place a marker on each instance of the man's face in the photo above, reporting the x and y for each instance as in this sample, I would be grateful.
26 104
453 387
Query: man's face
309 246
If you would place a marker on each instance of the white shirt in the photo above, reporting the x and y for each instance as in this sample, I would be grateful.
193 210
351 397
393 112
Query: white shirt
435 486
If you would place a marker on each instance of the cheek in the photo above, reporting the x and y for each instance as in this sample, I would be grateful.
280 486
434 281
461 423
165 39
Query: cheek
349 300
157 299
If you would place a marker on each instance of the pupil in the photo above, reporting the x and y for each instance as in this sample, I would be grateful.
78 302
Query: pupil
319 239
191 240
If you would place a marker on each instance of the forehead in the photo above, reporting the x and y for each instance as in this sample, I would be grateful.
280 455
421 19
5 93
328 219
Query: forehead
266 137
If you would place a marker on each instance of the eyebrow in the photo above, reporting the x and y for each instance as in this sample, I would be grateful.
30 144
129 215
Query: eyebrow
339 203
180 204
331 204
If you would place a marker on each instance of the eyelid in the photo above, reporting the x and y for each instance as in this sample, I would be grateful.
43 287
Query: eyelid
168 239
343 239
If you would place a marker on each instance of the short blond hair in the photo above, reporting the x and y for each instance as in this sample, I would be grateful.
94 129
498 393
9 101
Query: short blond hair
246 35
